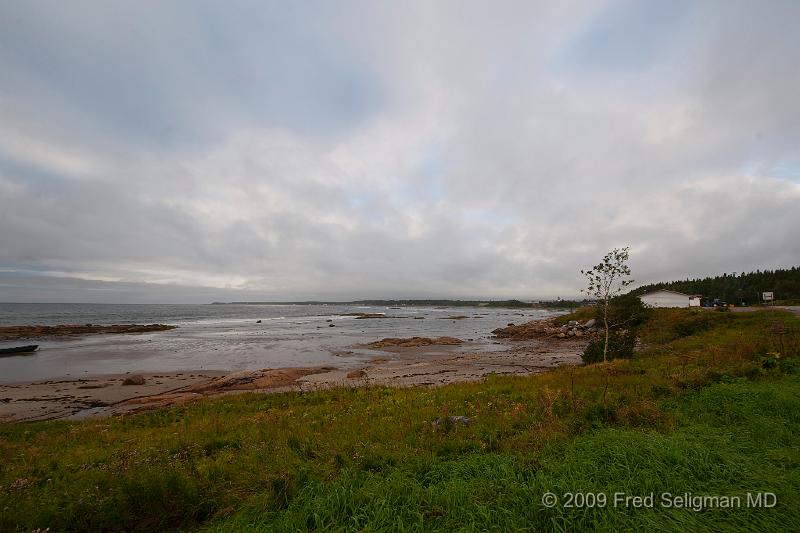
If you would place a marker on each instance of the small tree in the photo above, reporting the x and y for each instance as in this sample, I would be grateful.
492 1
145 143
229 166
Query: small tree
607 280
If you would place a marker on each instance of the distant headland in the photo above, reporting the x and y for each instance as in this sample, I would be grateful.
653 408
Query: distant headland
509 304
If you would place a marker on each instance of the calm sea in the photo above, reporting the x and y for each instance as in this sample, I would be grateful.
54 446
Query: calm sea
228 337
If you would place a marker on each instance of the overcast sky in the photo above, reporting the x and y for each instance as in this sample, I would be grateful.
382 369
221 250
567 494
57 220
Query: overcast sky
187 151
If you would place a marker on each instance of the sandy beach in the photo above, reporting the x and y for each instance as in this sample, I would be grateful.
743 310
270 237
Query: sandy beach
398 362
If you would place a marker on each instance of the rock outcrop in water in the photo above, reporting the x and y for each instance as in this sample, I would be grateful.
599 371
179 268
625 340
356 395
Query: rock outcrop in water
366 315
414 342
10 333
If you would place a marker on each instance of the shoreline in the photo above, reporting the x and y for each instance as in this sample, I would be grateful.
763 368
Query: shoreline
394 366
402 367
237 340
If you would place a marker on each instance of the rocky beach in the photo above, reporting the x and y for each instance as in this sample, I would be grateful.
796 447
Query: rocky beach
531 347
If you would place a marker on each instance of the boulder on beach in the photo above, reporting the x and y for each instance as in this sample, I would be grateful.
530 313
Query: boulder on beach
136 379
530 330
538 329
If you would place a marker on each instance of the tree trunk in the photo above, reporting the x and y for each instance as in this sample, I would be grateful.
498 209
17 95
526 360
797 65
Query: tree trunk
605 323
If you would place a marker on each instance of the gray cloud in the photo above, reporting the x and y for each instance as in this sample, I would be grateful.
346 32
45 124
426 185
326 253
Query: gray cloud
191 150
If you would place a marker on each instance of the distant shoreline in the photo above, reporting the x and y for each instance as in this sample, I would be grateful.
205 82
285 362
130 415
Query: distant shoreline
506 304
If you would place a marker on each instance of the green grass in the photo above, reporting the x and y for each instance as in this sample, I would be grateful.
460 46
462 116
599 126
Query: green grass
710 410
725 446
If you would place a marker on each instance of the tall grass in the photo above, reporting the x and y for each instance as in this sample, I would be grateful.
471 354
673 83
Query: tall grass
503 491
701 408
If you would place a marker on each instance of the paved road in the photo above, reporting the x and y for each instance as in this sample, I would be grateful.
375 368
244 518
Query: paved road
793 308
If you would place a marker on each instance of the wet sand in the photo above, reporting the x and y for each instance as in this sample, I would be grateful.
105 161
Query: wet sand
392 366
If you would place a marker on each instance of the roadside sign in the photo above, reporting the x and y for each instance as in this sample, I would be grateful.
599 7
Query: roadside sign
767 296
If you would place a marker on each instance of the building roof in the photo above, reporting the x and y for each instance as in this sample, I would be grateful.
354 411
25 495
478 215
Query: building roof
667 290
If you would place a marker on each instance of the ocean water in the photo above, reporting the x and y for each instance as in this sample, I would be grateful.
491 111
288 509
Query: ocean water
228 338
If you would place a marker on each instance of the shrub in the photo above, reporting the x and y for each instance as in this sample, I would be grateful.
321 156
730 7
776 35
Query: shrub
691 325
625 314
626 311
620 346
659 391
789 365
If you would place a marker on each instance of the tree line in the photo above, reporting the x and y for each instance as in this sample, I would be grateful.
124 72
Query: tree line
737 288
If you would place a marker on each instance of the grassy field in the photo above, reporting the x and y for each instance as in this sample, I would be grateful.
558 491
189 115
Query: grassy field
710 406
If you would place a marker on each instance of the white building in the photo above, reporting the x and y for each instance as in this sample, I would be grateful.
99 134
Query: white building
665 298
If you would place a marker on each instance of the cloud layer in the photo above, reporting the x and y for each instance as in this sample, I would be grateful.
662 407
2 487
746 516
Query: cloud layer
155 151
